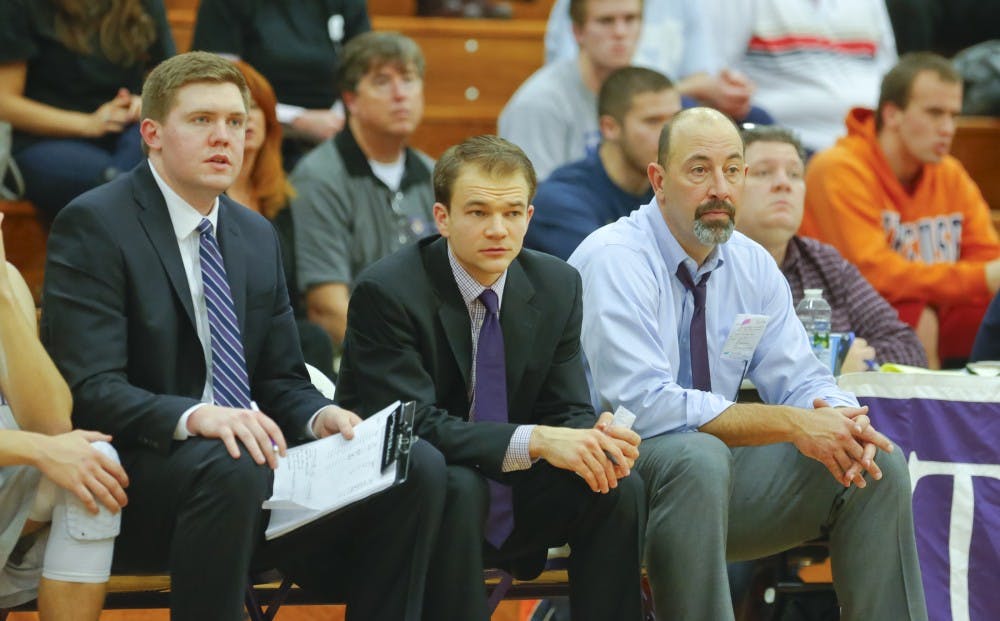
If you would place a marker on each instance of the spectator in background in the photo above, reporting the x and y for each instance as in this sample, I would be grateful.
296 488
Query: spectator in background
365 193
297 46
810 61
70 74
553 114
891 199
44 470
773 198
676 40
263 187
581 197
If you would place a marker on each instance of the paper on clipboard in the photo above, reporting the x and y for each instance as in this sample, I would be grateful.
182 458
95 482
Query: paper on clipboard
320 477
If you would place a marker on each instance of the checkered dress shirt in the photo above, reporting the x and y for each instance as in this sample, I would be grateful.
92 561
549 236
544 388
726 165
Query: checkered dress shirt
517 456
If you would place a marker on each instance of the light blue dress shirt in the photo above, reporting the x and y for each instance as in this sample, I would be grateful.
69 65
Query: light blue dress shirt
637 317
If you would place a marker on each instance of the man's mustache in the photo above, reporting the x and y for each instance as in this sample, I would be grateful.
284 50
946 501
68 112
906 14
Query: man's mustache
716 204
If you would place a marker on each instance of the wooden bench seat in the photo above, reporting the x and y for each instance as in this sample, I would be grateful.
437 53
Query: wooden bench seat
153 592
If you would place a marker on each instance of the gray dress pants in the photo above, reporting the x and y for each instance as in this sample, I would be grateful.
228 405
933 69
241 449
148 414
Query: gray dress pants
709 503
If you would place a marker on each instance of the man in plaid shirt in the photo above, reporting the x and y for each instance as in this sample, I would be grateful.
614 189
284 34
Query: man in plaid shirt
771 213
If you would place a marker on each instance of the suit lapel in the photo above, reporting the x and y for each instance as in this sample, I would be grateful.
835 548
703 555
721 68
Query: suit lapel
231 245
155 220
518 320
453 314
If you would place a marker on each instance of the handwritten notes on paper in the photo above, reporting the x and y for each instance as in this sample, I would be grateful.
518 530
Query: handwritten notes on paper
317 478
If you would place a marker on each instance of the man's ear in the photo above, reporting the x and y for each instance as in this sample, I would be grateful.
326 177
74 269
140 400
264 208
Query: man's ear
150 132
656 173
350 100
611 130
891 114
441 218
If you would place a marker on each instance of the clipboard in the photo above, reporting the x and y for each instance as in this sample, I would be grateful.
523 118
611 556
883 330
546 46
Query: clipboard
325 476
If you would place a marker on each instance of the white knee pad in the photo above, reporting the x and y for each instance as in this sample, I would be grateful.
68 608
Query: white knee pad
81 543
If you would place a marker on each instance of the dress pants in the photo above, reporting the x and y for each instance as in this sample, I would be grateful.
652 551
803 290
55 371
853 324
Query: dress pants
551 507
709 503
197 513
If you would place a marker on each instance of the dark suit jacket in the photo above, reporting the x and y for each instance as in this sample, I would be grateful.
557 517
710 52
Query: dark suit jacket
409 337
119 322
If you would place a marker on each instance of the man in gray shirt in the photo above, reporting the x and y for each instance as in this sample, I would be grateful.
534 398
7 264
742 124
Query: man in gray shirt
553 115
363 194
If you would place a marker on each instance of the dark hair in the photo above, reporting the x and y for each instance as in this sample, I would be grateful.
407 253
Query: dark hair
123 29
491 154
663 149
772 133
897 85
623 85
374 49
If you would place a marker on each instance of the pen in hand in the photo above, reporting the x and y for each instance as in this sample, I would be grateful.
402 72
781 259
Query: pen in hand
274 445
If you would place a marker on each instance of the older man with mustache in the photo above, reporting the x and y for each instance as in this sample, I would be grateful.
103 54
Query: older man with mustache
678 309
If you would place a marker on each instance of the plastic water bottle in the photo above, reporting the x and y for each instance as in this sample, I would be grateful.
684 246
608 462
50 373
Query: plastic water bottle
814 313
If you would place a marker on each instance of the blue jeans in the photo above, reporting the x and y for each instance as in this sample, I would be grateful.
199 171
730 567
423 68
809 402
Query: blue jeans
58 170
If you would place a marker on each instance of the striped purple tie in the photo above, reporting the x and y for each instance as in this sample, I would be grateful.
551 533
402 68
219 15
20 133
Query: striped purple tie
489 404
230 384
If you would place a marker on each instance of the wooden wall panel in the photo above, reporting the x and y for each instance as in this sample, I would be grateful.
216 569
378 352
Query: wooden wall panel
976 145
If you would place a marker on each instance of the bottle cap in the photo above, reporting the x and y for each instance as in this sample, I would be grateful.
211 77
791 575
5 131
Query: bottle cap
813 293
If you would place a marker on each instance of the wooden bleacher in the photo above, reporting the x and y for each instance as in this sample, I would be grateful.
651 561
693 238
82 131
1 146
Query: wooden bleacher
976 145
473 68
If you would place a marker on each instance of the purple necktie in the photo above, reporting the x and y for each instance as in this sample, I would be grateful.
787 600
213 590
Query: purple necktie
230 384
701 377
489 404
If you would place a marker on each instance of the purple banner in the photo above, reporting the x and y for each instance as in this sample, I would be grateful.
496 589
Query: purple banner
953 449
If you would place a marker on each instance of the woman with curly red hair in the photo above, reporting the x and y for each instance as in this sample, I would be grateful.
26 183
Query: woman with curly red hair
263 187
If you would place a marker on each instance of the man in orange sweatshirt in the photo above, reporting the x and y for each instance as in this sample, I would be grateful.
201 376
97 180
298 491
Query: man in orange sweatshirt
892 200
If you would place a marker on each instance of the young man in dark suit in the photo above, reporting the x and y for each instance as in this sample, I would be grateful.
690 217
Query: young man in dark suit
166 310
485 338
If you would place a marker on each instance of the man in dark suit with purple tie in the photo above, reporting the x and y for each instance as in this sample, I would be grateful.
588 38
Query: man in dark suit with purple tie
484 336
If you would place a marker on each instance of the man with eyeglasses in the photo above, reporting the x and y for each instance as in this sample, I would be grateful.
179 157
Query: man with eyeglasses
363 194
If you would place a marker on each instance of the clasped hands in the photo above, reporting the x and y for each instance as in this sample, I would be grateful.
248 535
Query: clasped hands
116 114
591 453
843 440
258 433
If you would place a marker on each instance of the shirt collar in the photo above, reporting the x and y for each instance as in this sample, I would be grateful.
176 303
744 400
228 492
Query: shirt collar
356 162
671 250
792 255
469 287
183 216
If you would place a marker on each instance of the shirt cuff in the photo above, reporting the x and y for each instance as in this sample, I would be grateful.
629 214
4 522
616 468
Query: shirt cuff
517 456
181 430
312 419
287 113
